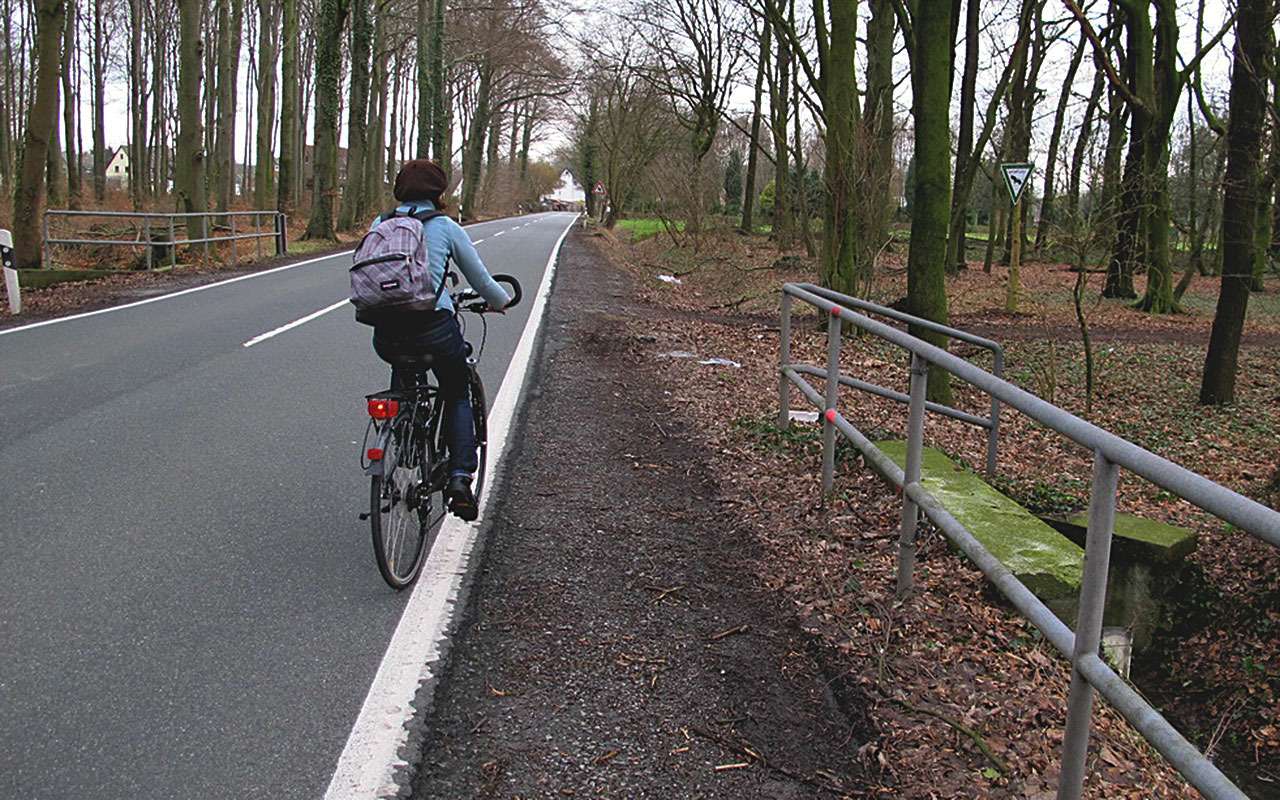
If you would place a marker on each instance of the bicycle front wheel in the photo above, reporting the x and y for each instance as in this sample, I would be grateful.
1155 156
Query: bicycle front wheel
399 531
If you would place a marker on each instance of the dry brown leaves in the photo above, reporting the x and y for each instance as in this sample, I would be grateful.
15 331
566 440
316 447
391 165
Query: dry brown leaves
955 649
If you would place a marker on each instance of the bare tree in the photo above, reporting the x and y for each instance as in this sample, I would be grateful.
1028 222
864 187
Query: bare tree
29 198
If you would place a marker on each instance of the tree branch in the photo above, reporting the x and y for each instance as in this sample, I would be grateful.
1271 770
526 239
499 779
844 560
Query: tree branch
1101 52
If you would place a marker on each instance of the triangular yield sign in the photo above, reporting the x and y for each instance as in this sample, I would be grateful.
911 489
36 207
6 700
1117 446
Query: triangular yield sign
1016 178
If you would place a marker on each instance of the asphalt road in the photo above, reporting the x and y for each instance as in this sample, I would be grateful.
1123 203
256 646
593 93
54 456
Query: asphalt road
188 604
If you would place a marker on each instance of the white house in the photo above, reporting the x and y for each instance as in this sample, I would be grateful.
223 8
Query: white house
118 168
568 193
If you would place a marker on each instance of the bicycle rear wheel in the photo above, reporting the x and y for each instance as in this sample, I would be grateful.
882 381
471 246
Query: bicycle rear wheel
400 531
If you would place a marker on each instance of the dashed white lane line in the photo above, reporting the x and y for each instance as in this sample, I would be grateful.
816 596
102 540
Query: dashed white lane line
499 233
369 762
290 325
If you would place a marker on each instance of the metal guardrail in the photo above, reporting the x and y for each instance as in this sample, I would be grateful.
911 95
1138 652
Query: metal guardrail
167 225
1088 670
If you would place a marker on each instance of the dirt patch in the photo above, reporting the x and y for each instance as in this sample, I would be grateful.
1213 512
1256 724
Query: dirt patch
624 639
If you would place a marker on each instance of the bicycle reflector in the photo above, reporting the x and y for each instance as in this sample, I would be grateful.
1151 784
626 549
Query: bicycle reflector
374 453
382 408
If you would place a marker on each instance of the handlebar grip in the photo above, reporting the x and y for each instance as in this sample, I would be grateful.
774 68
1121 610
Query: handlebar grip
516 292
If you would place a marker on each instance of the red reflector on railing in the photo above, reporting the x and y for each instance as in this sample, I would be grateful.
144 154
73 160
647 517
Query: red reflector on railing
374 453
382 408
831 415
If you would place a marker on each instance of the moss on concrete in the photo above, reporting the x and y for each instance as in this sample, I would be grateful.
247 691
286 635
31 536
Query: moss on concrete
1144 540
1048 563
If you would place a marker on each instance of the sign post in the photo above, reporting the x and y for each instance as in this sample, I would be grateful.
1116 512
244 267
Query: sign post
10 274
1016 178
599 191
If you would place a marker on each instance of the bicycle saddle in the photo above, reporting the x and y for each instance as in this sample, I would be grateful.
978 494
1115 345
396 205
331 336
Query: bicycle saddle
402 359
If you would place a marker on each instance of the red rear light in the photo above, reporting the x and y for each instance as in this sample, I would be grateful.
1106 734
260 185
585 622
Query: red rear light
374 453
382 408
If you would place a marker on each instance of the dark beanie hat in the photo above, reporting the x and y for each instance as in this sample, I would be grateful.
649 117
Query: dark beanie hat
420 179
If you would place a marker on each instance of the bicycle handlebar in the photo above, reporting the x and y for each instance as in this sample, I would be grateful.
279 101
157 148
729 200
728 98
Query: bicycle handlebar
471 301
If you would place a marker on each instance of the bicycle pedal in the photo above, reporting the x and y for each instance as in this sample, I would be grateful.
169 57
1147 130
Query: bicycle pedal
364 516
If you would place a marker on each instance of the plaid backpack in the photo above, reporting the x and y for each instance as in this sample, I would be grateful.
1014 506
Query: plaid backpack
391 273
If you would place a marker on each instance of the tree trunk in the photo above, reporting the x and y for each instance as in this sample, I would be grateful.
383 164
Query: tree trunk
331 19
526 139
137 107
840 105
189 184
29 198
289 95
376 131
354 204
230 22
1247 106
424 58
476 140
780 111
1022 101
70 103
877 206
970 159
930 106
753 148
1166 87
99 105
264 187
442 121
1046 198
956 239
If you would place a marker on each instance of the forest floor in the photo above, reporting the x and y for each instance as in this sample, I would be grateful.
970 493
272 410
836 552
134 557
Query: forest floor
958 650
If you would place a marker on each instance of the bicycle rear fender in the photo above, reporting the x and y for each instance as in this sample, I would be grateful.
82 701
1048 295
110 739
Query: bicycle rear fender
381 467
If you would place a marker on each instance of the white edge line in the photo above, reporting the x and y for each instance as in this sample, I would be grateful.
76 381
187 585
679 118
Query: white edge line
192 289
262 337
172 295
371 758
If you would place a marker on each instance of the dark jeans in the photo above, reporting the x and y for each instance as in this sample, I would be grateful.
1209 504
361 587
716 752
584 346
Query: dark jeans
439 335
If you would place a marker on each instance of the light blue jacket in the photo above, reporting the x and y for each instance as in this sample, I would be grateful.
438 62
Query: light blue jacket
447 240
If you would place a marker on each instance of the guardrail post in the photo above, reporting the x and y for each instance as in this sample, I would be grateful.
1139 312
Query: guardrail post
833 398
204 228
173 243
911 474
231 223
282 232
784 359
1093 595
10 274
257 235
146 237
993 433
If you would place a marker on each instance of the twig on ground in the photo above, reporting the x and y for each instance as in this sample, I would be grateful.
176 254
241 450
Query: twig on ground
715 637
996 761
753 753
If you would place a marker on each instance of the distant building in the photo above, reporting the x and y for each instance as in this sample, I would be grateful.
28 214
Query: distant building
568 196
118 168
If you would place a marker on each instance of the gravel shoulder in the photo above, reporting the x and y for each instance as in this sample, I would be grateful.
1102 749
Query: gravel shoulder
619 641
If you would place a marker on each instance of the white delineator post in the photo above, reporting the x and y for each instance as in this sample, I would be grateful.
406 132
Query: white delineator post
10 274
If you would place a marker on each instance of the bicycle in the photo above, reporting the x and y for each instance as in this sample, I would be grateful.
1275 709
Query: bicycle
408 462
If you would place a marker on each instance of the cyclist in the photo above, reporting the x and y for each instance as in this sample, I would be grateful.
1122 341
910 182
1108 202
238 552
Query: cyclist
418 188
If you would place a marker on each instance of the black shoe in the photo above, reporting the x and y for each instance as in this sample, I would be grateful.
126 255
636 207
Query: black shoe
460 498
